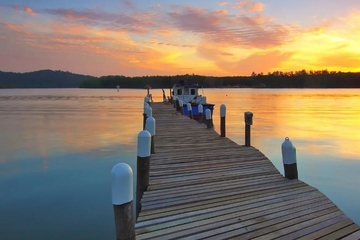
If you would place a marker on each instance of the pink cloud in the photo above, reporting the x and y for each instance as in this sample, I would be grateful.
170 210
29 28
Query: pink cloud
249 6
242 30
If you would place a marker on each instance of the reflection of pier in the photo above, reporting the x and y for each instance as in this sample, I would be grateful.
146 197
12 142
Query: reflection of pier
206 186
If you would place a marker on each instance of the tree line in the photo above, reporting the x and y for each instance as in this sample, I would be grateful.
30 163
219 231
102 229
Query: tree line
276 79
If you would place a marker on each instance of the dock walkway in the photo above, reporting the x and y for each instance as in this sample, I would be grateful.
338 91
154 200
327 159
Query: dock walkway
206 186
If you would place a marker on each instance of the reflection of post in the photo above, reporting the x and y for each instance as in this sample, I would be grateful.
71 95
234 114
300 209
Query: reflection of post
248 122
122 199
143 166
289 159
222 120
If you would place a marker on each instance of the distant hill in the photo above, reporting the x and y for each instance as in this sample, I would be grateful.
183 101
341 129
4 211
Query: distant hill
42 79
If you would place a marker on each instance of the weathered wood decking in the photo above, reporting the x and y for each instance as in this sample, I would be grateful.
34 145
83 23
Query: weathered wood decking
205 186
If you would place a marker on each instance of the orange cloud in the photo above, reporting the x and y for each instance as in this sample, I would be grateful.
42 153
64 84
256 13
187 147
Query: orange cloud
29 10
249 6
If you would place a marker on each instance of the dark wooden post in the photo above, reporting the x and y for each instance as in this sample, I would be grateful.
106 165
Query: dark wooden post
122 199
222 120
150 127
143 167
248 122
189 108
208 118
201 112
289 159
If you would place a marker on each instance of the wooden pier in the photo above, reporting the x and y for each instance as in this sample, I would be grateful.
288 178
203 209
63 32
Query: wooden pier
206 186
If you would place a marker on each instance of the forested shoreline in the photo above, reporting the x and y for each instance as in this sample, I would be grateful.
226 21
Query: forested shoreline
277 79
299 79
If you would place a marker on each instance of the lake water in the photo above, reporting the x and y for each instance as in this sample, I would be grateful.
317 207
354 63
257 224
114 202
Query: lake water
57 147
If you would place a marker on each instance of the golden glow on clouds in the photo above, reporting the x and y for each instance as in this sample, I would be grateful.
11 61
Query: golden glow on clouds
236 39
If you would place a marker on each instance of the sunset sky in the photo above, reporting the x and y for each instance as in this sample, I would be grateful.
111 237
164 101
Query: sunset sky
207 37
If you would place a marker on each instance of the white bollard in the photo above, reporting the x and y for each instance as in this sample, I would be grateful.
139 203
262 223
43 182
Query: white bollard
143 166
208 118
289 159
201 112
122 199
150 127
189 108
146 105
181 105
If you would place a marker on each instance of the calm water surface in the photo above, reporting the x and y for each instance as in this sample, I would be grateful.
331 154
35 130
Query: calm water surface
57 147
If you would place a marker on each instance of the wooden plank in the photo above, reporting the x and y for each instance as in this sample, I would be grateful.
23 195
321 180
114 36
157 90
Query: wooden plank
353 236
346 231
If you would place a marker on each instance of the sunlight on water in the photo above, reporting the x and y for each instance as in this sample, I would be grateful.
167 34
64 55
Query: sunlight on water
59 145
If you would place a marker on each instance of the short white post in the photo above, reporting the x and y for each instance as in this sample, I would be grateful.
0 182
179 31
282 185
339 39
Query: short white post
122 199
208 118
143 166
189 108
181 105
201 112
289 159
147 99
150 127
222 120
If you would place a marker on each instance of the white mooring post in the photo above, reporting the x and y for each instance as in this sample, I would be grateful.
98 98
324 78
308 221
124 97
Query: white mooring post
201 112
208 118
181 105
289 159
189 108
150 127
222 120
146 105
122 199
143 166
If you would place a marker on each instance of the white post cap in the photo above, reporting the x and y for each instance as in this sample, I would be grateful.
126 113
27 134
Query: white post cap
144 144
222 110
148 111
201 108
150 125
208 114
122 184
189 108
288 152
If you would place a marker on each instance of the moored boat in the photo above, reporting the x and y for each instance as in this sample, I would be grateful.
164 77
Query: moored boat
189 93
